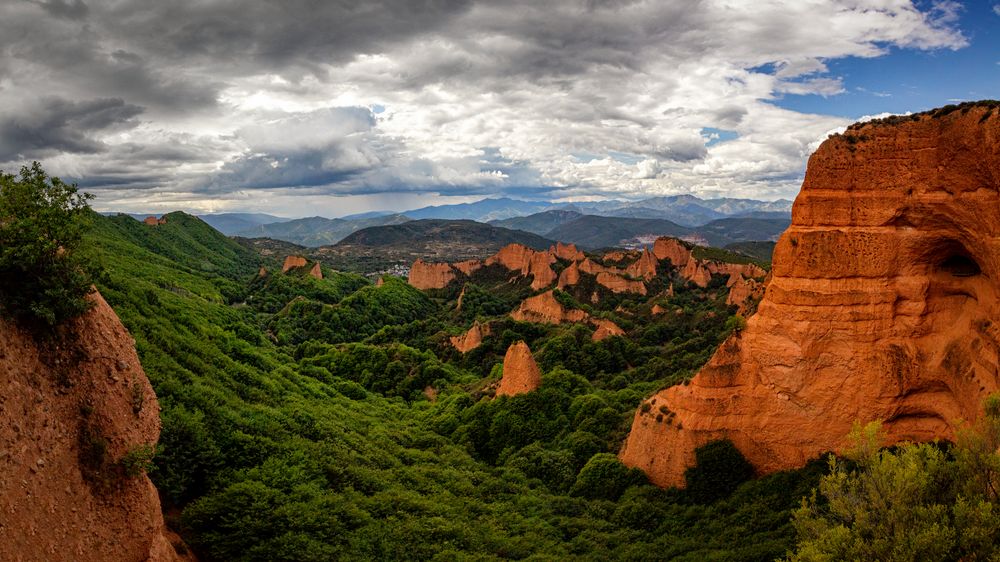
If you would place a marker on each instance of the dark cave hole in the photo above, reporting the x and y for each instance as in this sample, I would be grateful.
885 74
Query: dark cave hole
960 265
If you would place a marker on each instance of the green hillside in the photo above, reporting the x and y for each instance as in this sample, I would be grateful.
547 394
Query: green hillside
297 425
379 247
317 231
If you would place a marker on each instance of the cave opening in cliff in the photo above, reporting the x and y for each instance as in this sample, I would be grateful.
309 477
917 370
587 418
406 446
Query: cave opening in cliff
960 265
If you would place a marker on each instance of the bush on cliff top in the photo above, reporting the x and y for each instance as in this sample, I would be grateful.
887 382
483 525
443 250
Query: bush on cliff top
42 220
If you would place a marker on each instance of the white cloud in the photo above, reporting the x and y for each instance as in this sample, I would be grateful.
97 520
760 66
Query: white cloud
491 97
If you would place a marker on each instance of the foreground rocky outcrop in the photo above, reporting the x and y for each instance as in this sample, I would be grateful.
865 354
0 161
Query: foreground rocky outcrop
73 408
882 306
520 372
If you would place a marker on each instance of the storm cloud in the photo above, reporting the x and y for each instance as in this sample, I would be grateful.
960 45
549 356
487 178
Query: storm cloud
200 103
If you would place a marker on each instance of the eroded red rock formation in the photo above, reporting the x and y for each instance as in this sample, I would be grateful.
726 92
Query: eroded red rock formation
424 275
520 372
71 412
743 291
590 266
568 252
316 272
673 250
468 267
696 272
644 267
471 339
528 262
882 305
544 308
605 329
569 276
744 269
292 262
619 284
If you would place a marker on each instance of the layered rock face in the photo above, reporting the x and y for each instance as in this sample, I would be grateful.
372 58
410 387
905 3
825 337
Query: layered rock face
424 275
528 262
520 372
71 408
882 305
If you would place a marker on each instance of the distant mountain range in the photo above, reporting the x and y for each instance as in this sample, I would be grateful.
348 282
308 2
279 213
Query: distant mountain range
319 231
537 217
457 231
685 210
592 231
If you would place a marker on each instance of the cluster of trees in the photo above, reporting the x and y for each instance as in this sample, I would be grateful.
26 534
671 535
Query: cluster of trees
911 502
43 280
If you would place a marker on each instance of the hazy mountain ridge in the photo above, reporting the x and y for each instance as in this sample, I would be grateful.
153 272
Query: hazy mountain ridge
596 231
684 210
539 223
319 231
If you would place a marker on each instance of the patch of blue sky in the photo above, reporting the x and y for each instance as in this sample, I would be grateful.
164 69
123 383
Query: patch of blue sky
623 157
911 80
714 136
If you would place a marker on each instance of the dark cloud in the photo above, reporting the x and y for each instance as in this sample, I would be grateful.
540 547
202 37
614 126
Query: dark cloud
78 59
276 36
58 125
74 10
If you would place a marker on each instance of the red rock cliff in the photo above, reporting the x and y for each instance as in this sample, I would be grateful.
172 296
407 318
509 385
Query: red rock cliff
70 409
516 257
424 275
545 308
520 372
882 305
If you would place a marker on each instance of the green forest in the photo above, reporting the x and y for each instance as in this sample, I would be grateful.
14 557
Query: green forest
331 419
296 427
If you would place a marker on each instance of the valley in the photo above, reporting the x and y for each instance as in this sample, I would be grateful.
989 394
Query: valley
336 417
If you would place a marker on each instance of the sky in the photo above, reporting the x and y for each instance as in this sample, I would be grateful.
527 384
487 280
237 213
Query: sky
302 108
